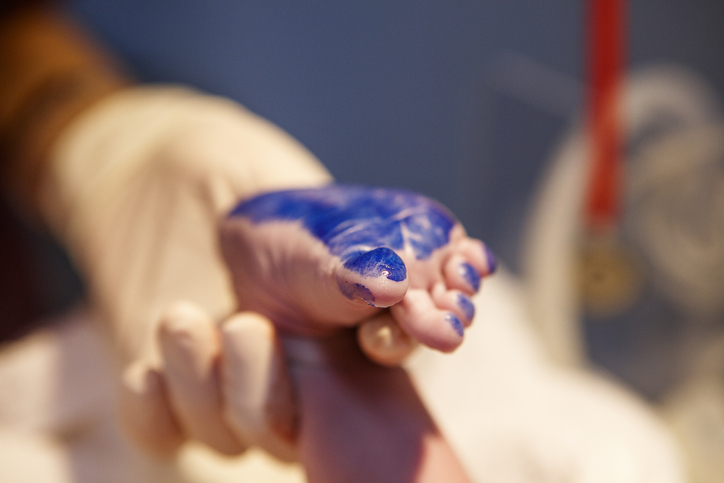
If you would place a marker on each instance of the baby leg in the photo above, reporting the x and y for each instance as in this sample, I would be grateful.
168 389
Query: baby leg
319 261
361 422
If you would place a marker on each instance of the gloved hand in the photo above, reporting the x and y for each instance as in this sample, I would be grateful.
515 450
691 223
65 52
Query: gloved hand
135 188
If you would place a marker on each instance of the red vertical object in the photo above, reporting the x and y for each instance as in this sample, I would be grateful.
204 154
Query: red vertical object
606 44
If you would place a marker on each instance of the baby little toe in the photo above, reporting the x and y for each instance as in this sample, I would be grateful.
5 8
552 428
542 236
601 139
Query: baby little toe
383 341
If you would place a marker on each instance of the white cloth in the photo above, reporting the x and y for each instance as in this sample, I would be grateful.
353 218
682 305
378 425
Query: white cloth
510 414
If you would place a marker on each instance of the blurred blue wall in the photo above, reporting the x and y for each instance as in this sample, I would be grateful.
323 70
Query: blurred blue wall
461 100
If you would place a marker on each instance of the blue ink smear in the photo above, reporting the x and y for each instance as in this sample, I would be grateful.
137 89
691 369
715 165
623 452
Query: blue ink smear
355 290
492 261
456 324
467 306
378 262
352 220
470 275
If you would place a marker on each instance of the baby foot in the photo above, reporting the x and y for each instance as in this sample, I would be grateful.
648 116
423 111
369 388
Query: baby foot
314 260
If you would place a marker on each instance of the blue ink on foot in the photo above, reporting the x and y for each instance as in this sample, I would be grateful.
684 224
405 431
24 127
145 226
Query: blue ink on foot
352 220
355 290
471 276
492 261
378 262
467 306
456 324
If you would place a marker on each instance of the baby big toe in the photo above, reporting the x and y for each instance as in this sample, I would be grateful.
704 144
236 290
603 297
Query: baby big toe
379 277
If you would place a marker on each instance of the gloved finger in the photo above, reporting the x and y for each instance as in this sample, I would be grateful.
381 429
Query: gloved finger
260 403
145 413
383 341
191 347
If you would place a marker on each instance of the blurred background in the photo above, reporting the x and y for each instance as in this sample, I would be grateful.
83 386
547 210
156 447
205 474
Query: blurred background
463 101
466 102
473 103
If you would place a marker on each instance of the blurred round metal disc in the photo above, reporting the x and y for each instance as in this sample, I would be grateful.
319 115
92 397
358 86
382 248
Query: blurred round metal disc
609 277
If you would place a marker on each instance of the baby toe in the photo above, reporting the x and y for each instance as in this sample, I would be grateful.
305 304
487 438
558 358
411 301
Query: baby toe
456 302
461 275
383 341
419 316
478 255
379 277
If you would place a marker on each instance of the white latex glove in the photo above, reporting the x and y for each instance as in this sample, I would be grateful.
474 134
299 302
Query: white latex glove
135 189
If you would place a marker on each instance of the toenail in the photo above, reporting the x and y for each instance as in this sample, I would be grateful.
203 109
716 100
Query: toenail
456 324
467 306
492 261
470 275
